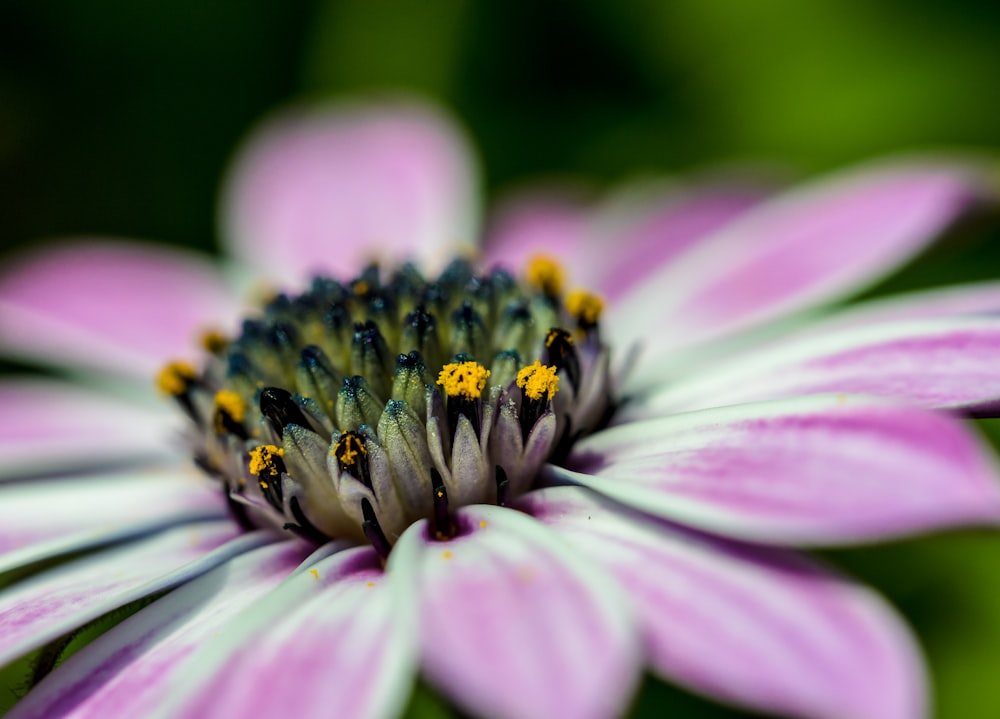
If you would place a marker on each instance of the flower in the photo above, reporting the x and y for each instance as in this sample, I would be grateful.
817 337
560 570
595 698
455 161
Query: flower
659 542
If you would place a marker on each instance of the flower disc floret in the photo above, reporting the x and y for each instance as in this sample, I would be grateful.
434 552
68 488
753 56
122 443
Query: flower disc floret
364 406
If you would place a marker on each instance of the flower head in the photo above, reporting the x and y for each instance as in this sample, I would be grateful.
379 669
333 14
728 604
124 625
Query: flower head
525 490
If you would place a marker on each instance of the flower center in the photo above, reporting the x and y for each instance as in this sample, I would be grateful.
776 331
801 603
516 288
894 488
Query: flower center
352 410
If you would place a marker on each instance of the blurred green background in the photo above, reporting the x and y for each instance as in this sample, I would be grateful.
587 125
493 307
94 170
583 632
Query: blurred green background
118 117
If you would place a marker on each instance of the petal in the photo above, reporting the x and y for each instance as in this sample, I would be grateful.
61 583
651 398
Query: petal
649 228
974 298
49 426
757 627
515 625
41 519
115 306
131 669
551 222
57 601
941 364
813 470
335 638
329 190
807 246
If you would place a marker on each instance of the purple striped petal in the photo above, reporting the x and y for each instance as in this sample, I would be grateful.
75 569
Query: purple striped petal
49 426
41 519
760 628
68 596
972 299
941 364
804 248
513 625
132 669
649 229
115 306
814 470
336 638
330 190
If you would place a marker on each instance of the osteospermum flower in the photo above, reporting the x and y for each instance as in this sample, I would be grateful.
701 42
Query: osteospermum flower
462 465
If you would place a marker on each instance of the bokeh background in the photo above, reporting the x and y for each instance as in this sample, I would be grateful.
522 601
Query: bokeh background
118 117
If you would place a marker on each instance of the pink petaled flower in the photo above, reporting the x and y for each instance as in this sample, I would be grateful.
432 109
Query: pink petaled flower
493 479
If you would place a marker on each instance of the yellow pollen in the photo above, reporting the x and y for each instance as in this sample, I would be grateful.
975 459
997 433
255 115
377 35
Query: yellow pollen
262 460
585 306
348 448
482 523
230 403
545 273
446 554
537 379
440 494
555 334
214 341
371 584
315 573
175 378
360 288
463 379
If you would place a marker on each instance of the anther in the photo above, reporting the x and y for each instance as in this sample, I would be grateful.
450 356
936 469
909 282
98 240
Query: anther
230 410
463 383
281 410
267 465
585 307
178 379
546 274
561 353
539 384
443 527
352 456
373 531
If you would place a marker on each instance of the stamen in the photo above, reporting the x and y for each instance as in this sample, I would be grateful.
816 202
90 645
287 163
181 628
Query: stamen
230 410
302 526
352 456
561 353
214 341
586 307
176 378
281 410
539 385
463 379
373 531
267 465
545 273
537 380
463 382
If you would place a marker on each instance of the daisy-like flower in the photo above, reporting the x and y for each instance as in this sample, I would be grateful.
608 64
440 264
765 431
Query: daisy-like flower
460 464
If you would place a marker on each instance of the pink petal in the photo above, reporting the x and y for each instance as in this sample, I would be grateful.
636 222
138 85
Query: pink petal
336 638
50 426
813 470
804 248
59 600
945 363
761 628
976 298
327 191
45 518
544 222
513 625
132 669
115 306
642 235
